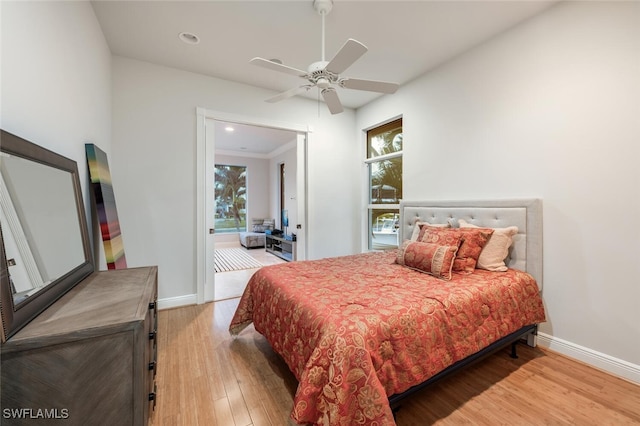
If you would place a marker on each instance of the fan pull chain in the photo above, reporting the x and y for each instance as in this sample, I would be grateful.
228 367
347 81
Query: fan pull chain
322 14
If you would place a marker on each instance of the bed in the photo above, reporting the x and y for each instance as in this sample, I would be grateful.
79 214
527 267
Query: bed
360 332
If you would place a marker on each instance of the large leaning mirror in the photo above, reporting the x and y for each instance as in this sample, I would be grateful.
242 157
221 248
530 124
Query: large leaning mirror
45 249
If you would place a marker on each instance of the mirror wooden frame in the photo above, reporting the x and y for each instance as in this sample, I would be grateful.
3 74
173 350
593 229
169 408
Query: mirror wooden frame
16 317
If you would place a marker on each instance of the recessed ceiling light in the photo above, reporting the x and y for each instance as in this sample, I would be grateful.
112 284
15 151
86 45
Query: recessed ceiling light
189 38
229 129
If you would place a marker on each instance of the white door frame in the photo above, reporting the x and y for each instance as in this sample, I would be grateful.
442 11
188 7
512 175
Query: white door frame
205 163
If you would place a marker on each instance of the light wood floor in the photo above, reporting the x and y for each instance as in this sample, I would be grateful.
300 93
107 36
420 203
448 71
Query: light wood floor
231 284
206 377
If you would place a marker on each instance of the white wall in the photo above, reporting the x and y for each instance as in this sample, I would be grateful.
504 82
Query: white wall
550 109
56 78
154 145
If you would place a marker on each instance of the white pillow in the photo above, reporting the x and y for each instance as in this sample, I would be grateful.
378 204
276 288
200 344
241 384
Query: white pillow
496 250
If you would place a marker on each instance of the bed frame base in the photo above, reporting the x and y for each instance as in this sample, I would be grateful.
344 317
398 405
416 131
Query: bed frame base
512 339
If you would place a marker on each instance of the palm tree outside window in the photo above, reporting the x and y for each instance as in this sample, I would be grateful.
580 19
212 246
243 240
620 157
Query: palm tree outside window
231 198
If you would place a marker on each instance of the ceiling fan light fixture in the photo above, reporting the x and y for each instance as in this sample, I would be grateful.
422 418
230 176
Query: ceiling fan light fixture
323 83
325 75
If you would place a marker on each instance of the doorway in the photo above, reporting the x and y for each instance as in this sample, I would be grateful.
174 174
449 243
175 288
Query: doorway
209 124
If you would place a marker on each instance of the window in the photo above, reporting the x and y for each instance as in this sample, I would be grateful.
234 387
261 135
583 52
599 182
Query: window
384 163
231 198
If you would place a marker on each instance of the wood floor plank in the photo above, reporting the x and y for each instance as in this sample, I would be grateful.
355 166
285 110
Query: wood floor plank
259 416
206 377
223 413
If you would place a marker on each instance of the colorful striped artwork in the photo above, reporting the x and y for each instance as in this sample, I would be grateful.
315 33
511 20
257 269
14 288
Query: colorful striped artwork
105 205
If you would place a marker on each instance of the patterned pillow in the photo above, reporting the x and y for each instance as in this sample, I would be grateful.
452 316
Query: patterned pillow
497 248
473 240
416 228
433 259
260 228
261 225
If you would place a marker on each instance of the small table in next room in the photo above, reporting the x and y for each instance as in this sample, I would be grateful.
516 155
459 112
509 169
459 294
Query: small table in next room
281 247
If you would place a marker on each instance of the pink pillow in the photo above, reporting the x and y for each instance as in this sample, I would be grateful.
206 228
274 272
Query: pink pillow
473 240
434 259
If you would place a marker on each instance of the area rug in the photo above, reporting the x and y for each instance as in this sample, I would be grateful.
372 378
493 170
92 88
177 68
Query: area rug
234 259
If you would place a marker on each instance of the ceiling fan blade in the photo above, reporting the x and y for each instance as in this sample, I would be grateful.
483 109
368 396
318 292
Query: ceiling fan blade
369 85
332 100
346 56
289 93
274 66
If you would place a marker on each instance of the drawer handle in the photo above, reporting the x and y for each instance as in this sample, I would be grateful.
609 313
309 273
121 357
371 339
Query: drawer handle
153 396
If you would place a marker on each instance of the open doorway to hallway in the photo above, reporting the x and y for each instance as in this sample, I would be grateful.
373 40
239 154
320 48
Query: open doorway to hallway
212 129
251 189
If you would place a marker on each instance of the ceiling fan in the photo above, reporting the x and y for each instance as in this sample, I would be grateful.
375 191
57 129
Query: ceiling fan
326 74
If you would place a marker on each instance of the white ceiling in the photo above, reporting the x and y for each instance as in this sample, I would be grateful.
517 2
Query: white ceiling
405 38
253 141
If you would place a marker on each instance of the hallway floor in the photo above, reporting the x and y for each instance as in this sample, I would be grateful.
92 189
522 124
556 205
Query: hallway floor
231 284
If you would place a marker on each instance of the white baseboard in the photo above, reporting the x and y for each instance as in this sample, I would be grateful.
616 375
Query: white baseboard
596 359
176 302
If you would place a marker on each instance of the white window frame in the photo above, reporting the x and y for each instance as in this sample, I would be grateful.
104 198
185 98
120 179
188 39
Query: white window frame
367 182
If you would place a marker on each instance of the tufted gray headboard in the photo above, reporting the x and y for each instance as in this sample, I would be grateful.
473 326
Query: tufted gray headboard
526 251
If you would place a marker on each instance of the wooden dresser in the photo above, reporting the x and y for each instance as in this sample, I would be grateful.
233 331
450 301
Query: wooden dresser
88 359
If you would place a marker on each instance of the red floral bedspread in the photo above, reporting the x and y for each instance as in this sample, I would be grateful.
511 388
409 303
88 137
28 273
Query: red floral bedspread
357 329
